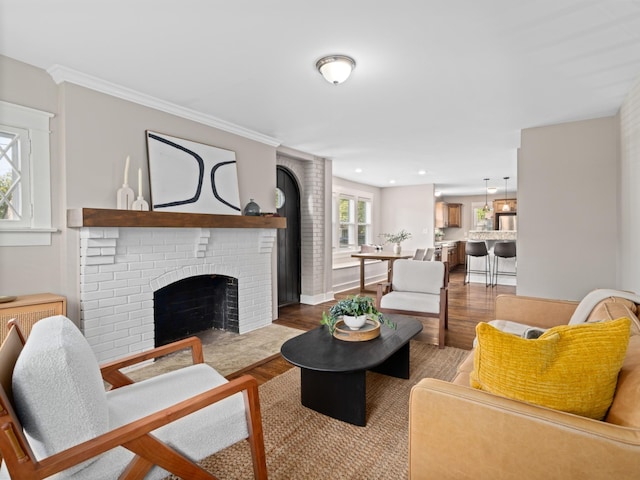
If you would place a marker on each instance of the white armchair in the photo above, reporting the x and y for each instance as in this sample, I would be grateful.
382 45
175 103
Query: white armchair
58 419
419 289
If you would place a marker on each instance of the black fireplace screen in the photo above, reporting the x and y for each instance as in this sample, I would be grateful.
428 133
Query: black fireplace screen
195 304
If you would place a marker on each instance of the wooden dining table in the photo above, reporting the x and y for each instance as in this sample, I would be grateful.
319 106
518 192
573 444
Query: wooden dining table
390 257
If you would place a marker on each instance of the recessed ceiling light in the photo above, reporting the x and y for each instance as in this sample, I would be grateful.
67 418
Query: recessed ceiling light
422 172
437 193
358 170
392 181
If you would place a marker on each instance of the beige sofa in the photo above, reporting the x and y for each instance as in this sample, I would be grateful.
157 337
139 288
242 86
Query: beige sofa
458 432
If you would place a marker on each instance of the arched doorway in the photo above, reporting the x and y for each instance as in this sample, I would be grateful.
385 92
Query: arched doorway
289 258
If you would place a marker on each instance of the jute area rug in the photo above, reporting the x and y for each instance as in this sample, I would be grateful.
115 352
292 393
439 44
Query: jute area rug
302 444
227 352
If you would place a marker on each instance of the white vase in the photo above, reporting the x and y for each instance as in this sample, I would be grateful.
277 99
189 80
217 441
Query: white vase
354 323
397 249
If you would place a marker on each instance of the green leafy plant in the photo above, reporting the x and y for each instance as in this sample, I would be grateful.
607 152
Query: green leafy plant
354 305
401 236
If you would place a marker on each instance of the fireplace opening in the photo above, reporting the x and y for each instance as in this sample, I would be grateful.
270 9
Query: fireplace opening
193 305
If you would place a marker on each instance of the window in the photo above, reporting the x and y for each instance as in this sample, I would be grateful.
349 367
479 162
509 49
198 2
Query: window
14 177
25 203
352 222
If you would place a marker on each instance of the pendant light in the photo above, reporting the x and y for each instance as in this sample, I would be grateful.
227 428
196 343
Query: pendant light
486 196
505 207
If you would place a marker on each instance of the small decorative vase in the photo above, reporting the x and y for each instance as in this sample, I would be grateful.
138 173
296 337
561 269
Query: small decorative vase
354 323
252 209
397 249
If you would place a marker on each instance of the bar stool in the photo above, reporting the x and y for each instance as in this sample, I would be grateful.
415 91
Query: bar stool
504 249
477 249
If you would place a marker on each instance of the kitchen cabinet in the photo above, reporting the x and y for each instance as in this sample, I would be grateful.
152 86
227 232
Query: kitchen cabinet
462 253
442 215
28 309
512 202
452 254
455 214
453 257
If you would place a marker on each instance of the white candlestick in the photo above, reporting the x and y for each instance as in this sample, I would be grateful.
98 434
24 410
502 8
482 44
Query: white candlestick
126 171
140 182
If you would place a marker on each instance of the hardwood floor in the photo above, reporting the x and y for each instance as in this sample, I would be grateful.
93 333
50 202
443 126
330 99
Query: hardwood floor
468 305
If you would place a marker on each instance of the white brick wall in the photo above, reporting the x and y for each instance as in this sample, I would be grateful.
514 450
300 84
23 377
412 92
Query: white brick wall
121 268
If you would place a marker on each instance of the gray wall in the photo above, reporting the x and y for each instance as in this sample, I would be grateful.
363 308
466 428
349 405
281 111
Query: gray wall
25 270
567 208
629 197
91 136
410 208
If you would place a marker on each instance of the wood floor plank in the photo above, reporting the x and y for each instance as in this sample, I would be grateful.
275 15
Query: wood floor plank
468 305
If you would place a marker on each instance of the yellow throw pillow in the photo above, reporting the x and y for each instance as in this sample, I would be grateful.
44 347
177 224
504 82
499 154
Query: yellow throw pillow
572 368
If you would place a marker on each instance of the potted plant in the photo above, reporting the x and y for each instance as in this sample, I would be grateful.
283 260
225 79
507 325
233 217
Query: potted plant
354 310
396 239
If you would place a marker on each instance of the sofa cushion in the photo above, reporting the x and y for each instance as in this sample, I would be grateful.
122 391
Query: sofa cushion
572 368
58 389
414 302
616 307
625 409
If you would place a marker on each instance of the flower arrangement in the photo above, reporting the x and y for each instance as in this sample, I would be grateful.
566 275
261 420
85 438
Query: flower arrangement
396 238
439 233
354 305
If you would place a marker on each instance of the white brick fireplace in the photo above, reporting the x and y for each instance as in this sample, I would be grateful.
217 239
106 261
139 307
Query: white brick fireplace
122 267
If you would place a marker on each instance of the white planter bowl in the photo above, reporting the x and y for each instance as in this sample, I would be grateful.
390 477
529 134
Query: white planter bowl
354 323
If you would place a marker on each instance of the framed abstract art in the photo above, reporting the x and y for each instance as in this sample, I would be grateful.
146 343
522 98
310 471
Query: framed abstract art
187 176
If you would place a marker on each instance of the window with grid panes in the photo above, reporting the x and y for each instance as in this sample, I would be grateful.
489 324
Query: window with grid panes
25 190
354 222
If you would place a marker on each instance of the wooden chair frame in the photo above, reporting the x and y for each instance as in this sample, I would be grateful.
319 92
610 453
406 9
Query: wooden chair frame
442 315
135 436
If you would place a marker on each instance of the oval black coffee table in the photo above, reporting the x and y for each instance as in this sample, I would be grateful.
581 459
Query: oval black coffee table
333 372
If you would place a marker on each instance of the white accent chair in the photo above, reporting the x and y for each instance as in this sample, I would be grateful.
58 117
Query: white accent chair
58 420
418 289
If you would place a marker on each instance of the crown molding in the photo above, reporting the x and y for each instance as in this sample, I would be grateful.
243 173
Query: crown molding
61 74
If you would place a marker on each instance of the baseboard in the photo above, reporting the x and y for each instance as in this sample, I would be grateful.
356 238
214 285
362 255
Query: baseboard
316 299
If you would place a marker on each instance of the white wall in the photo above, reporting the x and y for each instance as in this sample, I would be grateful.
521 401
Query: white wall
410 208
629 187
567 208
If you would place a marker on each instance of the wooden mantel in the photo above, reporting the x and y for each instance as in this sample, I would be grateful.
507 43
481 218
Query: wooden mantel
100 217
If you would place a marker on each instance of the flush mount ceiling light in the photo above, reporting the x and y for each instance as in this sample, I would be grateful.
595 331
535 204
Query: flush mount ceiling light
492 190
336 68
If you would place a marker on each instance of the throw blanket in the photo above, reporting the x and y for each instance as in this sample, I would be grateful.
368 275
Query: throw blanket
588 303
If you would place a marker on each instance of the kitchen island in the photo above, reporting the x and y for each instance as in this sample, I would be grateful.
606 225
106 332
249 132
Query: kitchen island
493 235
508 265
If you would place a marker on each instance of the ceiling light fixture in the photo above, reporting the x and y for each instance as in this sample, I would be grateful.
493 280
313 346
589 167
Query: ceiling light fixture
492 190
422 172
358 170
486 197
505 207
336 68
437 193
